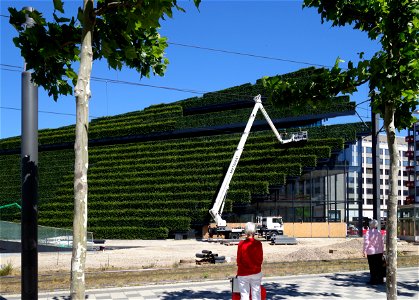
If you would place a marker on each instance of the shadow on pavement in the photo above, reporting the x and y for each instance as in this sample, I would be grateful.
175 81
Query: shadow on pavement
274 291
360 280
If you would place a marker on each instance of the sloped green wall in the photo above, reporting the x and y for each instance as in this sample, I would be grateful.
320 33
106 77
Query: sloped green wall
150 189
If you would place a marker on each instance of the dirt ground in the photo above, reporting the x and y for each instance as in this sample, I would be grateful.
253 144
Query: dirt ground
146 254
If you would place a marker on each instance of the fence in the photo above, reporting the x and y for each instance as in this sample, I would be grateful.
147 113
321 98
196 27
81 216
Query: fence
49 236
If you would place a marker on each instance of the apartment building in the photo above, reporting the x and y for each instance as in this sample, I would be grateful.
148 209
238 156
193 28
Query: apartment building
360 176
408 225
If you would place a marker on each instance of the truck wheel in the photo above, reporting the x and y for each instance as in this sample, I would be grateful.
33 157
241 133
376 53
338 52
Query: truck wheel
207 251
235 236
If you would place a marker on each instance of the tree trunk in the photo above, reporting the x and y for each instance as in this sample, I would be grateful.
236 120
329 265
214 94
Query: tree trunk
391 238
82 93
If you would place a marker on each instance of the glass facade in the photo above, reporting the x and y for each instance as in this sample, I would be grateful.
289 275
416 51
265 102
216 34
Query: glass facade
337 190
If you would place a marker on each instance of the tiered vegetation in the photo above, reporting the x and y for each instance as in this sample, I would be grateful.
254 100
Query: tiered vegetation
155 188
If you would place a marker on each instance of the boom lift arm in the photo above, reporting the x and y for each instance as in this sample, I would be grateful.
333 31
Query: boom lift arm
218 207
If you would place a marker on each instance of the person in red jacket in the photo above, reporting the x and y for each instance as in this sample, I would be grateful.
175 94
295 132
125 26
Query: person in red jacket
249 264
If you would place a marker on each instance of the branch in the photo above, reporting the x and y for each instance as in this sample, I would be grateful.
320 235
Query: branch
113 5
102 10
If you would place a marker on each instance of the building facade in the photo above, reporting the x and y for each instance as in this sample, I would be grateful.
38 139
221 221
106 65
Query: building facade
408 213
360 176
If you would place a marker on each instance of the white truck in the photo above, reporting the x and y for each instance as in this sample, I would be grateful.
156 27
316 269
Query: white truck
270 227
271 223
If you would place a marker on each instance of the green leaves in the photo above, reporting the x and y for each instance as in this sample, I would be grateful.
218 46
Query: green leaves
393 72
58 5
125 33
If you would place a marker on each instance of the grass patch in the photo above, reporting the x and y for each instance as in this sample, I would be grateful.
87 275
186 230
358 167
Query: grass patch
6 269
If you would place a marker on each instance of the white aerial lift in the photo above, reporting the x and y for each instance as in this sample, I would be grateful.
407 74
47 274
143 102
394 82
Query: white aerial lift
218 207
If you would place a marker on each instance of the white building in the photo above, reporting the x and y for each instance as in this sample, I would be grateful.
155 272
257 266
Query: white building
360 176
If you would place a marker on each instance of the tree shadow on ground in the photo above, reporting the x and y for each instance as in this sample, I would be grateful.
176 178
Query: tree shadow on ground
274 291
360 280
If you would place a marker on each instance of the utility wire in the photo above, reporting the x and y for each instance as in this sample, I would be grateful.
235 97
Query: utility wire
107 80
199 92
43 111
248 54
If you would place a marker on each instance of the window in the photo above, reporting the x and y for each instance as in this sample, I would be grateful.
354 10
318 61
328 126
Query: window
369 160
369 191
370 201
369 170
369 180
386 151
368 149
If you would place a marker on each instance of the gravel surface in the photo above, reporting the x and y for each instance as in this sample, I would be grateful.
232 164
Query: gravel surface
145 254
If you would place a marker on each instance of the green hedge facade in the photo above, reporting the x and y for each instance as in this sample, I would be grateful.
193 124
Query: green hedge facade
152 189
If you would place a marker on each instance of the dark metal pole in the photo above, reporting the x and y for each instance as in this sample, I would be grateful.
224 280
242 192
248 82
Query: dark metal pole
376 169
360 189
29 157
29 160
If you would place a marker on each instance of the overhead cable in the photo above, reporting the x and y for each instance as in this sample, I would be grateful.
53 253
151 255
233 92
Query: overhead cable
248 54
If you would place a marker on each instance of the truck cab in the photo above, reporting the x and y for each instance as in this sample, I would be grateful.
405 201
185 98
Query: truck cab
271 226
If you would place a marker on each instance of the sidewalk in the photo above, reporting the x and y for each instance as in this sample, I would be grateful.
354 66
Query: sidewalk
343 286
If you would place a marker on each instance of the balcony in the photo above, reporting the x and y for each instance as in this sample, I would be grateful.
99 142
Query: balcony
410 153
410 168
409 139
411 200
409 183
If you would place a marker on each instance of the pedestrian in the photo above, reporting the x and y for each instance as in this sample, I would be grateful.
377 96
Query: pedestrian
249 264
373 249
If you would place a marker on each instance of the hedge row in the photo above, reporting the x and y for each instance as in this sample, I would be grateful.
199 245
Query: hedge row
147 200
241 115
147 115
217 158
273 177
129 212
111 131
174 223
255 187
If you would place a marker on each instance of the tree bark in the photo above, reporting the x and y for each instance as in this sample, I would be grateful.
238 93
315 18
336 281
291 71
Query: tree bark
82 93
391 238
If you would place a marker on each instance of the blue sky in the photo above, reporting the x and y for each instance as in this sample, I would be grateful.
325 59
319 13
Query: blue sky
291 36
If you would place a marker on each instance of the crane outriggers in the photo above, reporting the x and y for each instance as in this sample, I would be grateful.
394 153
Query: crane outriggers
269 227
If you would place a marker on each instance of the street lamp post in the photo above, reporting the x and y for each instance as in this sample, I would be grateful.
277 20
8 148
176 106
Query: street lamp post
29 165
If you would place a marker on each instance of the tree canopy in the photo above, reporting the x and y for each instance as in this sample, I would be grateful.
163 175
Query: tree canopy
392 73
125 33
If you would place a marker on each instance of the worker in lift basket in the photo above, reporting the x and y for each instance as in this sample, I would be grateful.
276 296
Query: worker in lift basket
249 264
